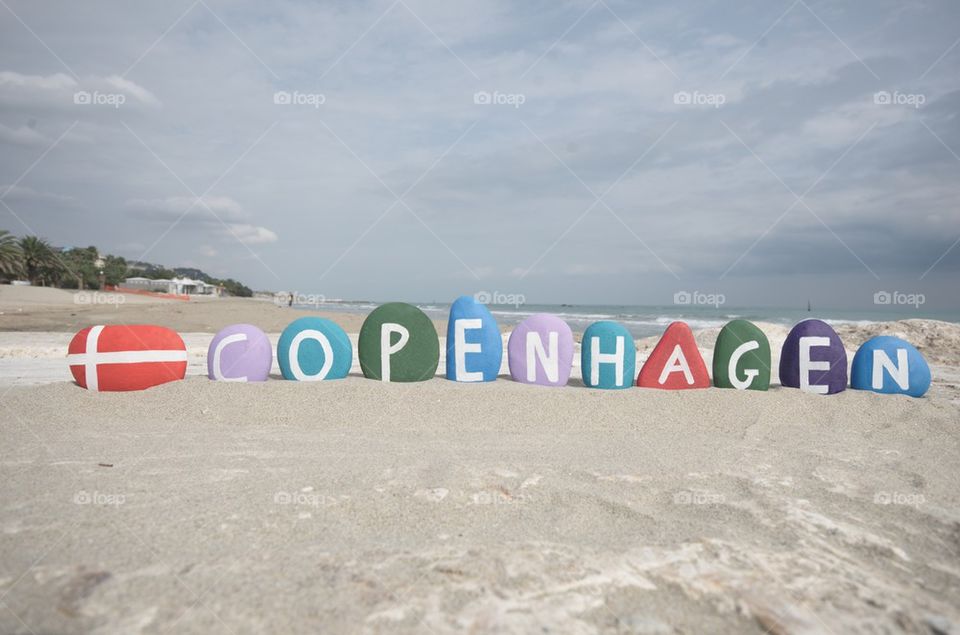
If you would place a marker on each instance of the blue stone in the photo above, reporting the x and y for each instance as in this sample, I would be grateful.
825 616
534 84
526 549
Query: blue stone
608 356
813 359
890 365
312 349
474 346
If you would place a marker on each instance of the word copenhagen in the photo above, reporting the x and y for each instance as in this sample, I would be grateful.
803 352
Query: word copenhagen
399 343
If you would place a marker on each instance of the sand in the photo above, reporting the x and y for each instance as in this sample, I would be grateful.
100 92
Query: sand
28 309
356 506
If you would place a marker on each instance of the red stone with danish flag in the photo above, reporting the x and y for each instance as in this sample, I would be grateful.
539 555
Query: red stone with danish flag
126 357
675 362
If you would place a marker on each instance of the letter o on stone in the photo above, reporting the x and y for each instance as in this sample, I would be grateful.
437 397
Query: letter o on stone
314 349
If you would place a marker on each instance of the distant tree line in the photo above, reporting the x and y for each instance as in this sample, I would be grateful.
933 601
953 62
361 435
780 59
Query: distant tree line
33 258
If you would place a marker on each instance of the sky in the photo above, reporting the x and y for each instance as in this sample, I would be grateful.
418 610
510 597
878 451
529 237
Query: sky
582 152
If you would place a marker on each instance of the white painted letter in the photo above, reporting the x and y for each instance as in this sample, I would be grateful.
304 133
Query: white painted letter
597 358
218 351
749 373
550 361
461 348
387 349
677 362
294 356
899 373
806 343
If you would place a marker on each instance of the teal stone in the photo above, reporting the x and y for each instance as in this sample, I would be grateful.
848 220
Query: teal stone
314 349
741 357
398 343
608 356
890 365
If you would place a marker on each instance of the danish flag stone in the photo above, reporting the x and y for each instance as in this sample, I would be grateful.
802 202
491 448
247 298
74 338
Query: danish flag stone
126 357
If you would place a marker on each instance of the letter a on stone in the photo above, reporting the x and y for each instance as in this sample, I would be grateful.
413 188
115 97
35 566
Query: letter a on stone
675 363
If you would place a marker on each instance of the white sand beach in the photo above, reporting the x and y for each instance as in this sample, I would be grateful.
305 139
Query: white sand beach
357 506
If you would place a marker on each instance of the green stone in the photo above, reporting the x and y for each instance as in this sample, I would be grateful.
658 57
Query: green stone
398 342
751 363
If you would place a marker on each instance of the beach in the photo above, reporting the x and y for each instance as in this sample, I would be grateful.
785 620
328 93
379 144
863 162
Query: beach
358 506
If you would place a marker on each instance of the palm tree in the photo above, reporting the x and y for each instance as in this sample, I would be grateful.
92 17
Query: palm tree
10 256
38 258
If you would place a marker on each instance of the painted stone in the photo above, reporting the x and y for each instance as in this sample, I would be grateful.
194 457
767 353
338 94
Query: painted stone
126 357
813 359
239 352
608 356
675 363
398 342
890 365
540 351
741 357
314 349
474 347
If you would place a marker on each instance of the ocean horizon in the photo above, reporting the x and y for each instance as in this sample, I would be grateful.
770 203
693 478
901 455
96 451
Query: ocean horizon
650 320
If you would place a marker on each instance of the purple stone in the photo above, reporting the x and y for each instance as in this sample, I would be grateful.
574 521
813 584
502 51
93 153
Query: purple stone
239 352
813 359
540 351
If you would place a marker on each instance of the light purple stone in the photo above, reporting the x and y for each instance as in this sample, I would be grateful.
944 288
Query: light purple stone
239 352
551 367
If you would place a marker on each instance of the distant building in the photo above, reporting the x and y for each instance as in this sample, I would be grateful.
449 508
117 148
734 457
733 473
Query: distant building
178 286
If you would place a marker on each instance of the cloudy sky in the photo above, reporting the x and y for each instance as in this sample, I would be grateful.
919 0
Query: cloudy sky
578 152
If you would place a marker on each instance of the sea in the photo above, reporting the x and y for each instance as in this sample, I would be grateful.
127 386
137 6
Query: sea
646 321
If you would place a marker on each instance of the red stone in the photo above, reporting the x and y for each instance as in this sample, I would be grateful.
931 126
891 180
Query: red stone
126 357
679 335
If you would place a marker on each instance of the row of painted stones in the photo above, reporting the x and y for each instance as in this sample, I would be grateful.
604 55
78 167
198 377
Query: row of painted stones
399 343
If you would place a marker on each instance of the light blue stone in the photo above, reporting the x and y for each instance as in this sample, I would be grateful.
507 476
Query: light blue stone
600 340
482 347
323 350
907 374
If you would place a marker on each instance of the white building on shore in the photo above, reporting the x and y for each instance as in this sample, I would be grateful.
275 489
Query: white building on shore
177 286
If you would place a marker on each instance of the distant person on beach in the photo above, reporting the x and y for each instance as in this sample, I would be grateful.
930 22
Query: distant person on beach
290 301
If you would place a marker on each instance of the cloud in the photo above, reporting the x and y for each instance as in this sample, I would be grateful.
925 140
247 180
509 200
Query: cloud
218 215
23 136
23 193
251 234
62 92
173 207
